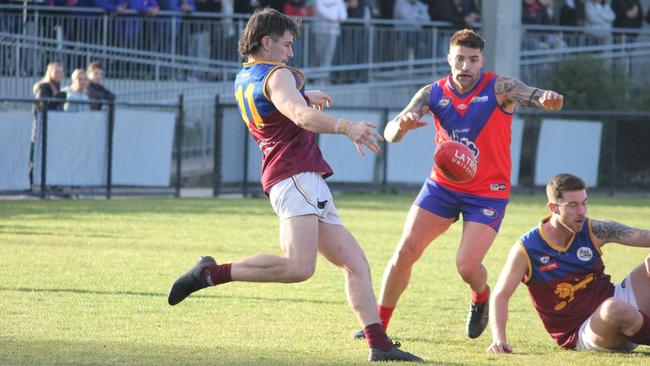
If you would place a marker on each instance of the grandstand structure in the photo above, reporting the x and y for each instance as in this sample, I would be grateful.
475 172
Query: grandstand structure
154 59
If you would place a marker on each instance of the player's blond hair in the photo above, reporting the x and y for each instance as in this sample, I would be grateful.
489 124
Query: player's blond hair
265 22
563 183
467 38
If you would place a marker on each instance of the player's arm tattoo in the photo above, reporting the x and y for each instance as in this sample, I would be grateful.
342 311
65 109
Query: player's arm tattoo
612 231
516 91
419 103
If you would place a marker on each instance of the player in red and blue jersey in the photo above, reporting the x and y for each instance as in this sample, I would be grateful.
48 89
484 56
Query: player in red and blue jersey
560 262
283 119
475 108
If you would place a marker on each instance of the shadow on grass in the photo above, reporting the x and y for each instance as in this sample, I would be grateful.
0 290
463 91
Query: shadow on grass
164 295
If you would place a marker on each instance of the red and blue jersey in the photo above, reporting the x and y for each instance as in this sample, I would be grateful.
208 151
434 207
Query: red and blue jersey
566 284
287 149
477 120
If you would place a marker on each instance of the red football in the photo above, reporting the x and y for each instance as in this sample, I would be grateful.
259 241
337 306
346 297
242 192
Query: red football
455 161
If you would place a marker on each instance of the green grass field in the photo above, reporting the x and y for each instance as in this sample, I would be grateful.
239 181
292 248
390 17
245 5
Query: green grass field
85 282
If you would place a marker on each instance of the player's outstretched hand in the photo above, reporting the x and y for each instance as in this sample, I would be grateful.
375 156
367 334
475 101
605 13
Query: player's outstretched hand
500 347
318 99
363 133
552 101
410 121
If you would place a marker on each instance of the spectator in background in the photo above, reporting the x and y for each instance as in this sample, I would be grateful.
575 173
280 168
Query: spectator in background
326 28
94 87
49 87
363 9
538 12
413 13
629 14
599 19
76 91
128 29
572 13
169 27
460 13
298 8
534 12
275 4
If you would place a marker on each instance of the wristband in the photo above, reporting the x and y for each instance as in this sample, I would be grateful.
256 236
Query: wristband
342 126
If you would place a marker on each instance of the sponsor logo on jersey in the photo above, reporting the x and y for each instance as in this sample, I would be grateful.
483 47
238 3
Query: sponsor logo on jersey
489 212
497 187
462 106
444 101
584 254
548 267
480 99
544 259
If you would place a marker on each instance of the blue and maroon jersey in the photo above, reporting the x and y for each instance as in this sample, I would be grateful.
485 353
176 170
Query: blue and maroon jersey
287 149
565 284
475 119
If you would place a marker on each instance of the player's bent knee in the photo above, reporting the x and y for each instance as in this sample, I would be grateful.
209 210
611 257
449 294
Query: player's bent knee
467 271
614 310
301 273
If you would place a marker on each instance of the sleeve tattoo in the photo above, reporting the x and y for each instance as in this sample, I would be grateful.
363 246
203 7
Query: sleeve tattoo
418 103
517 92
612 231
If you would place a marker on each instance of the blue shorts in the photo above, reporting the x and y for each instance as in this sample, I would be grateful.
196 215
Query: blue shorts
447 203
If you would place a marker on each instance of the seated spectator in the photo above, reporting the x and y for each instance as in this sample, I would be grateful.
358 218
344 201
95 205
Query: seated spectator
298 8
94 88
534 12
461 13
572 13
363 9
599 20
49 87
76 91
629 14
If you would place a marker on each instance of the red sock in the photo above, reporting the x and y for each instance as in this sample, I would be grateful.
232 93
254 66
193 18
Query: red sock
482 297
385 313
642 336
217 275
376 337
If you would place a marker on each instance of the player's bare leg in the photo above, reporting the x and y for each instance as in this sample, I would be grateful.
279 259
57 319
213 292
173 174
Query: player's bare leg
615 323
299 241
340 248
420 229
476 240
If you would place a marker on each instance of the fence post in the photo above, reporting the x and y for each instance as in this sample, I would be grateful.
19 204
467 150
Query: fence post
180 122
44 151
109 152
218 123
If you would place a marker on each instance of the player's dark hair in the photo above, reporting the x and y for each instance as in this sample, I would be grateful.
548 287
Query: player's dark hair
265 22
467 38
563 183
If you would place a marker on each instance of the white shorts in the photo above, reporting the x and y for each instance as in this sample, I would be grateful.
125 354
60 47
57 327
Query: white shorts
623 291
304 194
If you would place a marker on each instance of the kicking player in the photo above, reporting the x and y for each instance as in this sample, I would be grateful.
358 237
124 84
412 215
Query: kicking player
475 108
279 115
560 263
